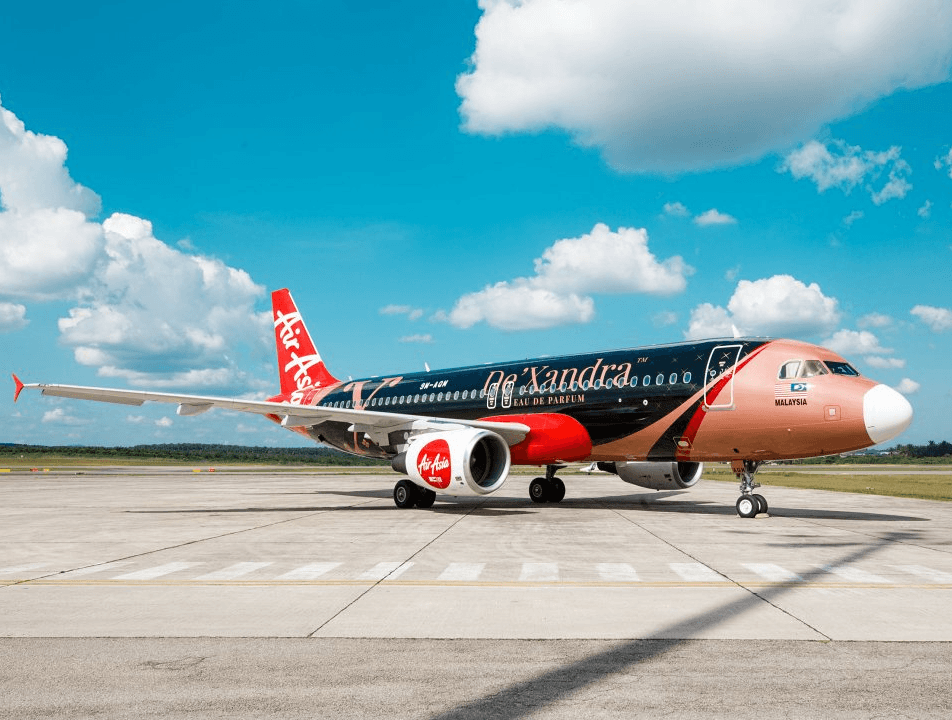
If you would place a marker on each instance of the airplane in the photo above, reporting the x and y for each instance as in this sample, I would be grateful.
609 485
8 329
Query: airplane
650 415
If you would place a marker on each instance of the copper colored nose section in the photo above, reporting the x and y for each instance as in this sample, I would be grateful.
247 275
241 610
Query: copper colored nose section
886 413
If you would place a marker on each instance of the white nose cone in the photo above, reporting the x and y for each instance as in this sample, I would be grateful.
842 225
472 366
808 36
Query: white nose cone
886 413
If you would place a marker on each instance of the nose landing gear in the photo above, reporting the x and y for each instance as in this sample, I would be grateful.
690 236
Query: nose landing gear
749 503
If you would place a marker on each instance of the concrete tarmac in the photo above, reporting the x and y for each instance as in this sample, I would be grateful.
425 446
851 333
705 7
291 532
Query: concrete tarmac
156 592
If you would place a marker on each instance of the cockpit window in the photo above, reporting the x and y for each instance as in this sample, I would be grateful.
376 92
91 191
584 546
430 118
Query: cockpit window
801 369
842 368
812 368
789 370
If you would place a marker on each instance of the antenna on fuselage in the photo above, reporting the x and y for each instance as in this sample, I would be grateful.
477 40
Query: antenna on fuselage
427 366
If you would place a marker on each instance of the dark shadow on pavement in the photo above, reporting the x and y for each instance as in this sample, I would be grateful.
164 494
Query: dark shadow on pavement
545 690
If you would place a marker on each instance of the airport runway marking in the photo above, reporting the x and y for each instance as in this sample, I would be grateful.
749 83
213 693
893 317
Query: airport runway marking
530 574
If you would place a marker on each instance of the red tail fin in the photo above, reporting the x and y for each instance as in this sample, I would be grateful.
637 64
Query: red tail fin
299 364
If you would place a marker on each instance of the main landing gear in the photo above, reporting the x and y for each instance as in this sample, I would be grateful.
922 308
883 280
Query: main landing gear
749 503
547 489
406 494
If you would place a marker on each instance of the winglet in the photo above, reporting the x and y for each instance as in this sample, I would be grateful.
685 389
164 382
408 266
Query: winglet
19 385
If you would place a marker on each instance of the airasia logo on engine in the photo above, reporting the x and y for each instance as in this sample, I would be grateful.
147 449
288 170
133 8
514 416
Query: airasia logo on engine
433 464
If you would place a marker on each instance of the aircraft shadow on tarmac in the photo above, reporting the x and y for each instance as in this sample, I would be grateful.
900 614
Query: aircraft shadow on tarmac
660 502
529 696
674 501
442 509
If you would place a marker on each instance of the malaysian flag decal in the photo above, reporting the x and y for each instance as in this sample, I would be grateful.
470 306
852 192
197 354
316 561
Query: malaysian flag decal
790 390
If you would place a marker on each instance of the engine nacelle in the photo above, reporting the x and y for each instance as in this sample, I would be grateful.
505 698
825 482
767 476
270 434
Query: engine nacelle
656 475
469 461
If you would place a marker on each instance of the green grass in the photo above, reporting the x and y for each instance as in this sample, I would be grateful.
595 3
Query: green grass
923 487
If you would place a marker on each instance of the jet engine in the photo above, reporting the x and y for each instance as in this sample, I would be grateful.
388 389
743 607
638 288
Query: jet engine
656 475
468 461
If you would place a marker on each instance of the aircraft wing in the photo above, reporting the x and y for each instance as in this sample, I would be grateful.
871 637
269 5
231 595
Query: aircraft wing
370 421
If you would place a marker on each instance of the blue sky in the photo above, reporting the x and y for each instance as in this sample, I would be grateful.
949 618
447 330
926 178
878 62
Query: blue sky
453 183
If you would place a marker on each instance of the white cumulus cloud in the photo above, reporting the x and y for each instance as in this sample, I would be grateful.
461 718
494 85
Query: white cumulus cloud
855 342
153 310
12 317
47 242
939 319
519 306
845 166
412 313
143 310
944 161
908 386
676 209
59 416
863 342
569 271
689 84
713 217
777 306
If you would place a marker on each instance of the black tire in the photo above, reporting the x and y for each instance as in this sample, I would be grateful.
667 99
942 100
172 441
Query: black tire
747 506
539 490
405 494
425 498
556 490
761 501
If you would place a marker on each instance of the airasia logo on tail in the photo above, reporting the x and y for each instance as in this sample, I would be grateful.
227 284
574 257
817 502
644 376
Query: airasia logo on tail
433 464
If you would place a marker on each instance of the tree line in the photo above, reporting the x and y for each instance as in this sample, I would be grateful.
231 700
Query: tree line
195 452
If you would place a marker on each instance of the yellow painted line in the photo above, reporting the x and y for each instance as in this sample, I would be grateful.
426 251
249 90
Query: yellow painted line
4 469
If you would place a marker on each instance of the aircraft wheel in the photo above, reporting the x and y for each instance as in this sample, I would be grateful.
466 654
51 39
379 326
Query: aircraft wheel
556 490
425 499
761 501
747 506
404 494
538 490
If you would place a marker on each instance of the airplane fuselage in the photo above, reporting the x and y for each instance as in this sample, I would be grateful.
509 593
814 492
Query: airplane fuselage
712 400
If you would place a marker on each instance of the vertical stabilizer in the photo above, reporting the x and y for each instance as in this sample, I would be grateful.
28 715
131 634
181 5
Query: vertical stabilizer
299 364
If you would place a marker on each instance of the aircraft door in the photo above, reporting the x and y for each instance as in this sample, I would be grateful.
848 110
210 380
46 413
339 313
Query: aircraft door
723 360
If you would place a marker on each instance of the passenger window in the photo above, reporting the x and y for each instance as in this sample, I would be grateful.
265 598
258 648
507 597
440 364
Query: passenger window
456 395
673 378
597 384
574 386
440 397
646 381
686 378
659 380
812 368
634 382
789 370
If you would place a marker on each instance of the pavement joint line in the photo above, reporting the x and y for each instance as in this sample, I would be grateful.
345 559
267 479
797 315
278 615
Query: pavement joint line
190 542
746 588
381 580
